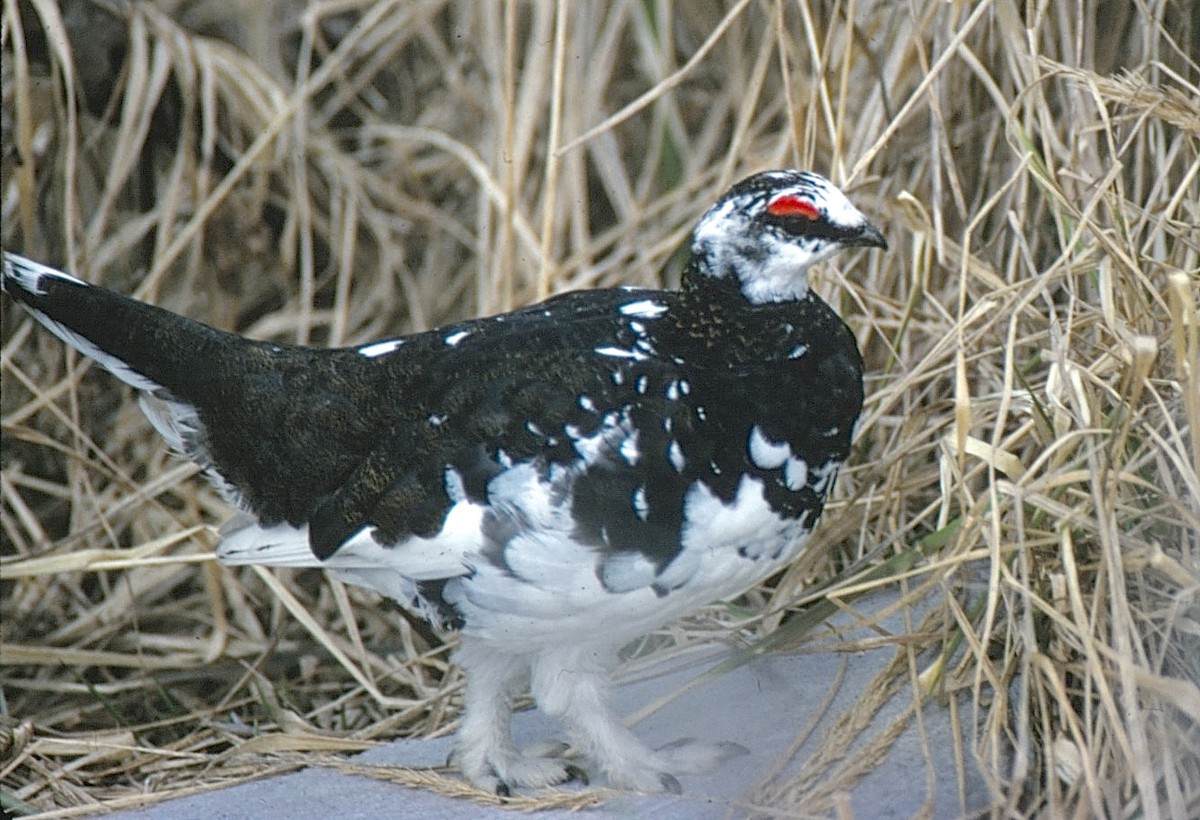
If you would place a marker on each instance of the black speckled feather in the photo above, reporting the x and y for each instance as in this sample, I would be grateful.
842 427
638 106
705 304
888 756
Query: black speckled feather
555 480
339 440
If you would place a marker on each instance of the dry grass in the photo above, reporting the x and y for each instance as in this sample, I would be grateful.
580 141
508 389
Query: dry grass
1028 456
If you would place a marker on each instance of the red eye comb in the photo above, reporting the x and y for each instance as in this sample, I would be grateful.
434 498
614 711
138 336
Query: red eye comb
788 205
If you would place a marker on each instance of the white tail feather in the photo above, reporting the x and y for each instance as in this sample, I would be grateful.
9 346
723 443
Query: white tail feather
244 541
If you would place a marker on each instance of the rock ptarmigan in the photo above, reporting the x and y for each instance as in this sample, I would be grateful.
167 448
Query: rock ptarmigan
553 482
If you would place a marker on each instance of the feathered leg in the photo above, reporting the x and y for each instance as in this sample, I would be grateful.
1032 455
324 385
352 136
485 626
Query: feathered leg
573 685
484 748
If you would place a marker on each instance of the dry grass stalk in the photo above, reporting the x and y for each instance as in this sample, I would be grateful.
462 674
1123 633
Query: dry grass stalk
1028 460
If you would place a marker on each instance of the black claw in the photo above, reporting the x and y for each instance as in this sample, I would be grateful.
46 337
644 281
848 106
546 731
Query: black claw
670 783
576 775
502 790
732 749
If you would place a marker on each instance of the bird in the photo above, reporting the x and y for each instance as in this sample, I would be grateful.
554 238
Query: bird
552 482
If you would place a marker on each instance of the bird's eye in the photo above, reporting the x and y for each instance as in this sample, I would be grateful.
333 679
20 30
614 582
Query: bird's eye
790 205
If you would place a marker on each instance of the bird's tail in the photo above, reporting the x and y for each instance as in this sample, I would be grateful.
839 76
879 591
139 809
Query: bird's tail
150 348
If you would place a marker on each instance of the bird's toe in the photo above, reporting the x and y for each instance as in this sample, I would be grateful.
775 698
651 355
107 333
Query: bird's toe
657 771
503 773
691 756
646 780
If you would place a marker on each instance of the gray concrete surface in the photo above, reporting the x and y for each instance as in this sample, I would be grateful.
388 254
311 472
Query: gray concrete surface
764 705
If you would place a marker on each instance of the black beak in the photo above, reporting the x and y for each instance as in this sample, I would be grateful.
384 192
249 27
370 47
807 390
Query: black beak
867 236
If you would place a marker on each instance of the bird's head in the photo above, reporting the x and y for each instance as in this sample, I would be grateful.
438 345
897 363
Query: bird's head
770 228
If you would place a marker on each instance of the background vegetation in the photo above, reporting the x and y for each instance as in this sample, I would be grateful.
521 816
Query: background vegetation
334 172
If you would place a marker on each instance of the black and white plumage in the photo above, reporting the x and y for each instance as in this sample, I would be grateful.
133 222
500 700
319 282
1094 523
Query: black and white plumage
554 481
